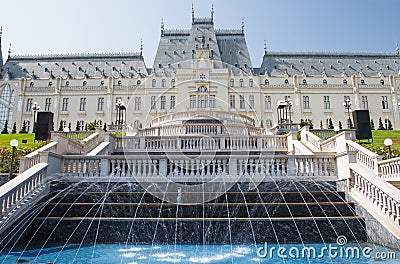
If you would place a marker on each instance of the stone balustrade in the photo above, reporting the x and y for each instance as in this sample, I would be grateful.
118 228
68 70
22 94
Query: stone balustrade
364 156
390 169
17 190
33 158
200 142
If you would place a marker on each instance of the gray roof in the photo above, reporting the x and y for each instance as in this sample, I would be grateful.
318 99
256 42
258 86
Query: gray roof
226 46
75 65
330 64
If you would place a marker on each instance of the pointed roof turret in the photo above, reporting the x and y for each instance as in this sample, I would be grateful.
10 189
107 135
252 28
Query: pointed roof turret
212 12
9 51
192 13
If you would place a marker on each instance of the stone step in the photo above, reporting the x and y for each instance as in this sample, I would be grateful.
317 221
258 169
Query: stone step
208 210
232 197
198 230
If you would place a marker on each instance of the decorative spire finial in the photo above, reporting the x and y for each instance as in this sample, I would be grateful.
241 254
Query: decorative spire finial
212 12
9 51
162 27
1 34
397 47
192 13
141 47
265 47
242 24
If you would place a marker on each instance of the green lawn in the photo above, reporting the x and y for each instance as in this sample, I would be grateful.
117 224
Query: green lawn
6 138
380 135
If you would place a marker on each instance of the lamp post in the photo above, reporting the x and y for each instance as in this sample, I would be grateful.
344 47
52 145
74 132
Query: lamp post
388 143
347 105
35 108
66 130
336 129
14 145
120 106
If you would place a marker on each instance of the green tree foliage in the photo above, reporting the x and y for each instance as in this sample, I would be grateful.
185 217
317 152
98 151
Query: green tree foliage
105 127
380 125
330 124
23 128
60 127
372 125
77 128
340 125
390 126
5 129
14 129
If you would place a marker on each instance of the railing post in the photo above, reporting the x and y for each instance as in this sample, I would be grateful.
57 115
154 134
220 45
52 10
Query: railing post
163 168
291 166
104 168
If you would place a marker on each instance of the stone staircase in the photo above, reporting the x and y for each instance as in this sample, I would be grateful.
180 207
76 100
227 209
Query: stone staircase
284 212
395 184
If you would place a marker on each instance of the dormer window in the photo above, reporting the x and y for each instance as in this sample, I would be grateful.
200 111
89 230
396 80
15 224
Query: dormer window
119 83
138 82
251 82
84 83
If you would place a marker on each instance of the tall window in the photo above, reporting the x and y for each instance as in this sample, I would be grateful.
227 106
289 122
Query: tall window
29 103
267 102
163 83
251 83
173 83
47 104
6 106
306 102
212 101
28 125
153 83
251 101
162 106
172 102
232 83
327 103
241 102
193 101
65 104
117 99
153 103
100 104
81 125
138 102
232 101
202 101
241 83
387 121
364 102
82 105
385 104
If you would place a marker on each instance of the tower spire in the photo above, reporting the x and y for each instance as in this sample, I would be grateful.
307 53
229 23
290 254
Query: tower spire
9 51
212 12
242 25
265 47
141 47
162 27
397 48
192 13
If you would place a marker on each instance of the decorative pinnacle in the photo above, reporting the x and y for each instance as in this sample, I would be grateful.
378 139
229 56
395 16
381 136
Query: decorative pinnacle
192 13
265 47
141 47
242 24
212 12
9 51
397 47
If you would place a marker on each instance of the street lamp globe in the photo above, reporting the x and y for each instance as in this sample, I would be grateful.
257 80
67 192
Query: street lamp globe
14 143
336 129
388 142
66 129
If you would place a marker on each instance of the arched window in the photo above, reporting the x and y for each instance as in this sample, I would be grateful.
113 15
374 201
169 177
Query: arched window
344 81
266 82
286 81
138 82
173 83
153 83
324 81
241 82
119 83
6 106
163 83
84 83
304 81
362 81
202 89
31 84
67 83
251 82
382 82
102 83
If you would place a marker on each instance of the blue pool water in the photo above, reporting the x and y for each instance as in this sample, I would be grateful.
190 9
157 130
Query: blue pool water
121 253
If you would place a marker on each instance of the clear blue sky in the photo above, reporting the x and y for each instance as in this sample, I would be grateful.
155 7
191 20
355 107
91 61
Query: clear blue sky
74 26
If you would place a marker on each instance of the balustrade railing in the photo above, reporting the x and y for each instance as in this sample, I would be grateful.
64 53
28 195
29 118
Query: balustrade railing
17 190
33 158
364 156
390 169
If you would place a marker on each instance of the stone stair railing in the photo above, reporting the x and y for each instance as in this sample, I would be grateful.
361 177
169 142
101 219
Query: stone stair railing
17 191
33 158
390 169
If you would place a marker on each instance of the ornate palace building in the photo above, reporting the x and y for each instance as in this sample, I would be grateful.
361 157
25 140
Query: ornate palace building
201 68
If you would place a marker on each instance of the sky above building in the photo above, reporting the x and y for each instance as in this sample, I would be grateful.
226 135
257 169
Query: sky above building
95 26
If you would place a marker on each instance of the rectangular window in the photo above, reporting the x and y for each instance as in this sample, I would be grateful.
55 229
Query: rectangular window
267 102
193 101
82 104
81 125
138 102
162 106
232 101
65 104
47 104
327 103
28 125
172 102
29 105
100 104
212 101
364 102
153 103
306 102
251 101
241 102
385 104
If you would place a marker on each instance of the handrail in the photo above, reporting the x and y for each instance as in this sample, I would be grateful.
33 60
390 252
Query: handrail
390 169
33 158
18 189
364 156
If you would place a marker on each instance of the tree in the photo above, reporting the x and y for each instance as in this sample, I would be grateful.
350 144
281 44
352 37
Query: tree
34 128
390 127
86 126
23 128
77 128
262 124
14 129
61 127
91 125
70 126
372 125
310 123
5 129
330 125
320 125
105 127
340 125
380 125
